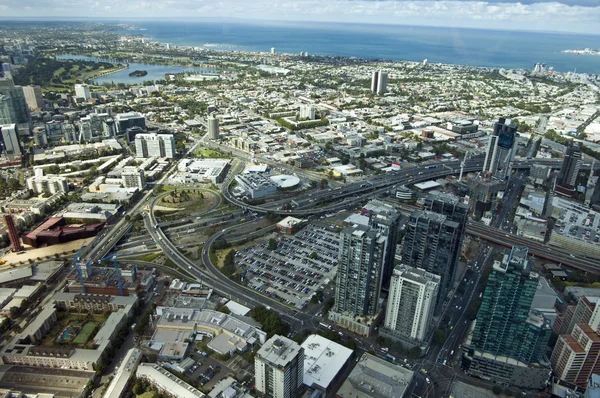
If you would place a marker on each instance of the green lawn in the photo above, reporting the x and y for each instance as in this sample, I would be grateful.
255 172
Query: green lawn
85 333
209 153
147 394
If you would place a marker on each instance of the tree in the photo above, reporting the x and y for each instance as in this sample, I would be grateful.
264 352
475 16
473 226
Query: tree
224 309
272 244
439 336
497 390
508 392
324 183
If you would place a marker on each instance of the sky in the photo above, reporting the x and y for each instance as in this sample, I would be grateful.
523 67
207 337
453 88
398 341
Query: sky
577 16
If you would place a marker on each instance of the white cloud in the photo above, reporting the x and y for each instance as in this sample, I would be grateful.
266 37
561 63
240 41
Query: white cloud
543 15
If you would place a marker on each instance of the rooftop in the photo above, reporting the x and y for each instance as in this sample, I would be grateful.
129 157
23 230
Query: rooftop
323 359
278 351
375 378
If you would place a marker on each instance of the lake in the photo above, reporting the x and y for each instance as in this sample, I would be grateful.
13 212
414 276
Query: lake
155 71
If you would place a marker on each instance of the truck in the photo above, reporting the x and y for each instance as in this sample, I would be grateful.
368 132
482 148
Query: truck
326 326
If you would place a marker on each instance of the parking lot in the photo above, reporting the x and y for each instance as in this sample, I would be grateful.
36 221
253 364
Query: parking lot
582 225
299 265
207 372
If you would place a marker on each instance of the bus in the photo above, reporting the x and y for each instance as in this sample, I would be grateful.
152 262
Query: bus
326 326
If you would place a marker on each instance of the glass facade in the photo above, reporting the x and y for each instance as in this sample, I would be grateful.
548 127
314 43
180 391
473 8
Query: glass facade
505 326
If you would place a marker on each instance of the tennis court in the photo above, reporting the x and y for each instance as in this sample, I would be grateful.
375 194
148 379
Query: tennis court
85 333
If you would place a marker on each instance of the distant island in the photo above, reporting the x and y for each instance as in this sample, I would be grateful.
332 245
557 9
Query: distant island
138 73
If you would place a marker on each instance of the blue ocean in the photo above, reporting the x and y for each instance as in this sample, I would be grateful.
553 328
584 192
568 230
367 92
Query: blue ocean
491 48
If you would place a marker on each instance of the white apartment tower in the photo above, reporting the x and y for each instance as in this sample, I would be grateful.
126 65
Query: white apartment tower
279 368
307 112
411 303
379 80
155 145
83 91
132 177
213 127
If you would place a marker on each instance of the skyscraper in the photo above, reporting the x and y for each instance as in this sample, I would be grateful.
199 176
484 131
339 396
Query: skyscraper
432 242
279 368
386 220
505 325
569 170
10 145
379 81
13 106
33 97
213 127
501 149
13 235
411 303
361 257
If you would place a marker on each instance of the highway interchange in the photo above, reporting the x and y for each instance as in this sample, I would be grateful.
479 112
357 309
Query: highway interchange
326 201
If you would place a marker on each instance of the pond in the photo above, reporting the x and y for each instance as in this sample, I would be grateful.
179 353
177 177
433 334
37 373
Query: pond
155 71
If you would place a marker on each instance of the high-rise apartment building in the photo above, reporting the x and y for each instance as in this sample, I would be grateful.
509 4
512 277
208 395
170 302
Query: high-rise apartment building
83 91
155 145
360 266
33 97
279 368
213 127
501 149
133 177
379 81
10 145
307 112
432 242
567 176
13 234
505 325
574 314
386 220
411 303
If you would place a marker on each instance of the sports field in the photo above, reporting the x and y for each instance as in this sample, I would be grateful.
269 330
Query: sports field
85 333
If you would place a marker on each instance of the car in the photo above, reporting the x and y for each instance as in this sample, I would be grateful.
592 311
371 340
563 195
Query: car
427 380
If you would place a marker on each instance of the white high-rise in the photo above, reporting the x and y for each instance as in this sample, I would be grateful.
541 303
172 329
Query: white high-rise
411 303
83 91
213 127
279 368
155 145
307 112
379 80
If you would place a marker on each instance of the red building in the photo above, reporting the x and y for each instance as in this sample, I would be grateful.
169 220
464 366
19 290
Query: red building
54 231
13 235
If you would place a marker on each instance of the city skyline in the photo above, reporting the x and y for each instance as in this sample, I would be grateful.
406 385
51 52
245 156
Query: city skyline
579 16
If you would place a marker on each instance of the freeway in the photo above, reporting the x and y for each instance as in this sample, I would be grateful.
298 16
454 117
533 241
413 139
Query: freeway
110 236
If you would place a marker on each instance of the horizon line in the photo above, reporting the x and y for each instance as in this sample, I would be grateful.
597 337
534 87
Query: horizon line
256 20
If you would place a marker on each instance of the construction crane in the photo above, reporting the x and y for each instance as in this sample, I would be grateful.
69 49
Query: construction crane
117 272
